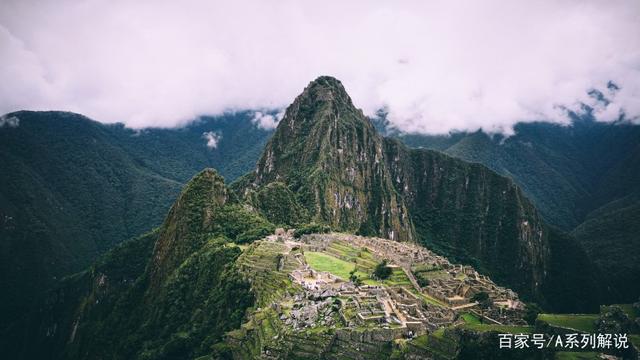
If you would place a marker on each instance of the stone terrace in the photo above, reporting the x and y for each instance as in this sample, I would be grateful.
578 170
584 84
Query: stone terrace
453 284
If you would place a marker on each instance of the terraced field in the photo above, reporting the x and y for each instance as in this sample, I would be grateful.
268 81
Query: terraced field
340 259
260 263
470 318
503 329
435 345
322 262
580 322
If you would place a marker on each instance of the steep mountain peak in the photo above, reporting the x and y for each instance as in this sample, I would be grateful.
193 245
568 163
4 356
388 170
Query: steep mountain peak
328 153
322 104
326 88
321 122
190 216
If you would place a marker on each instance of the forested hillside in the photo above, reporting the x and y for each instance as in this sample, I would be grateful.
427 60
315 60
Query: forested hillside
72 188
584 178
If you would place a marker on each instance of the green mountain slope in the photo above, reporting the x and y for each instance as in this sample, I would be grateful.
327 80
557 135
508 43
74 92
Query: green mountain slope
573 174
331 157
349 177
65 199
72 188
170 294
469 213
610 238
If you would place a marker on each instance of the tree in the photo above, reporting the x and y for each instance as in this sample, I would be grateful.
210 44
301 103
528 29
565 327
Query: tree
484 301
532 311
382 271
311 228
355 279
613 320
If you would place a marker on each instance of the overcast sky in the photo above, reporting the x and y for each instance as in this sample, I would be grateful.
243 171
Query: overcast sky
436 66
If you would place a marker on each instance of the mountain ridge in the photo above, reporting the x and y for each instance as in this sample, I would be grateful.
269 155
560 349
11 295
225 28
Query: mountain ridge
582 177
72 188
499 230
322 149
181 290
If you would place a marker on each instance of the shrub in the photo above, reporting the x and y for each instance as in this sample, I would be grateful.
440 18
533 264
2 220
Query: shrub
382 271
311 228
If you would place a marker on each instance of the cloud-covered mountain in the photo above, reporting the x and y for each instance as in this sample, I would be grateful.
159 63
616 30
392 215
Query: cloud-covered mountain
584 178
72 188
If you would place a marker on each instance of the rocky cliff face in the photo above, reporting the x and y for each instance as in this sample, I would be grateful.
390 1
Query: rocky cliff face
190 216
472 214
330 155
176 292
348 176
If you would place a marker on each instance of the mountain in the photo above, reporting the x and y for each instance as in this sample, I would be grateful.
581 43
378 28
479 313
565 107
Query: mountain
212 282
328 154
72 188
171 293
329 159
584 178
194 288
468 213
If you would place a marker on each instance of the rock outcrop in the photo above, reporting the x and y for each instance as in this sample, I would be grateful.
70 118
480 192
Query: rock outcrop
330 155
348 176
473 215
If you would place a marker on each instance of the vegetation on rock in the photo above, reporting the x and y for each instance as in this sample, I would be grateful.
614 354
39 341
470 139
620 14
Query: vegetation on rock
200 285
174 297
72 188
583 178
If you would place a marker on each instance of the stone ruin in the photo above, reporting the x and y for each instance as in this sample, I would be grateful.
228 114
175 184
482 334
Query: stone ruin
327 300
314 280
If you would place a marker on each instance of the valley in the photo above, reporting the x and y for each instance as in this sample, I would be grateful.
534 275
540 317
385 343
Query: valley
319 180
340 244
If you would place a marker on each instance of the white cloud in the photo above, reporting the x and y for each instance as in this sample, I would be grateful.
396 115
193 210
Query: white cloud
267 121
436 65
213 138
9 121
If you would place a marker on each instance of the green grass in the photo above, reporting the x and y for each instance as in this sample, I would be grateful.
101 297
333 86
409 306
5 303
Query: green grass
428 298
470 318
421 341
627 309
510 329
343 249
398 277
580 322
435 343
439 333
363 258
571 355
430 275
323 262
341 268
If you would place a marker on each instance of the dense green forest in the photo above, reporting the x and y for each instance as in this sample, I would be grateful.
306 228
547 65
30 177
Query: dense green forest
72 188
169 294
583 177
